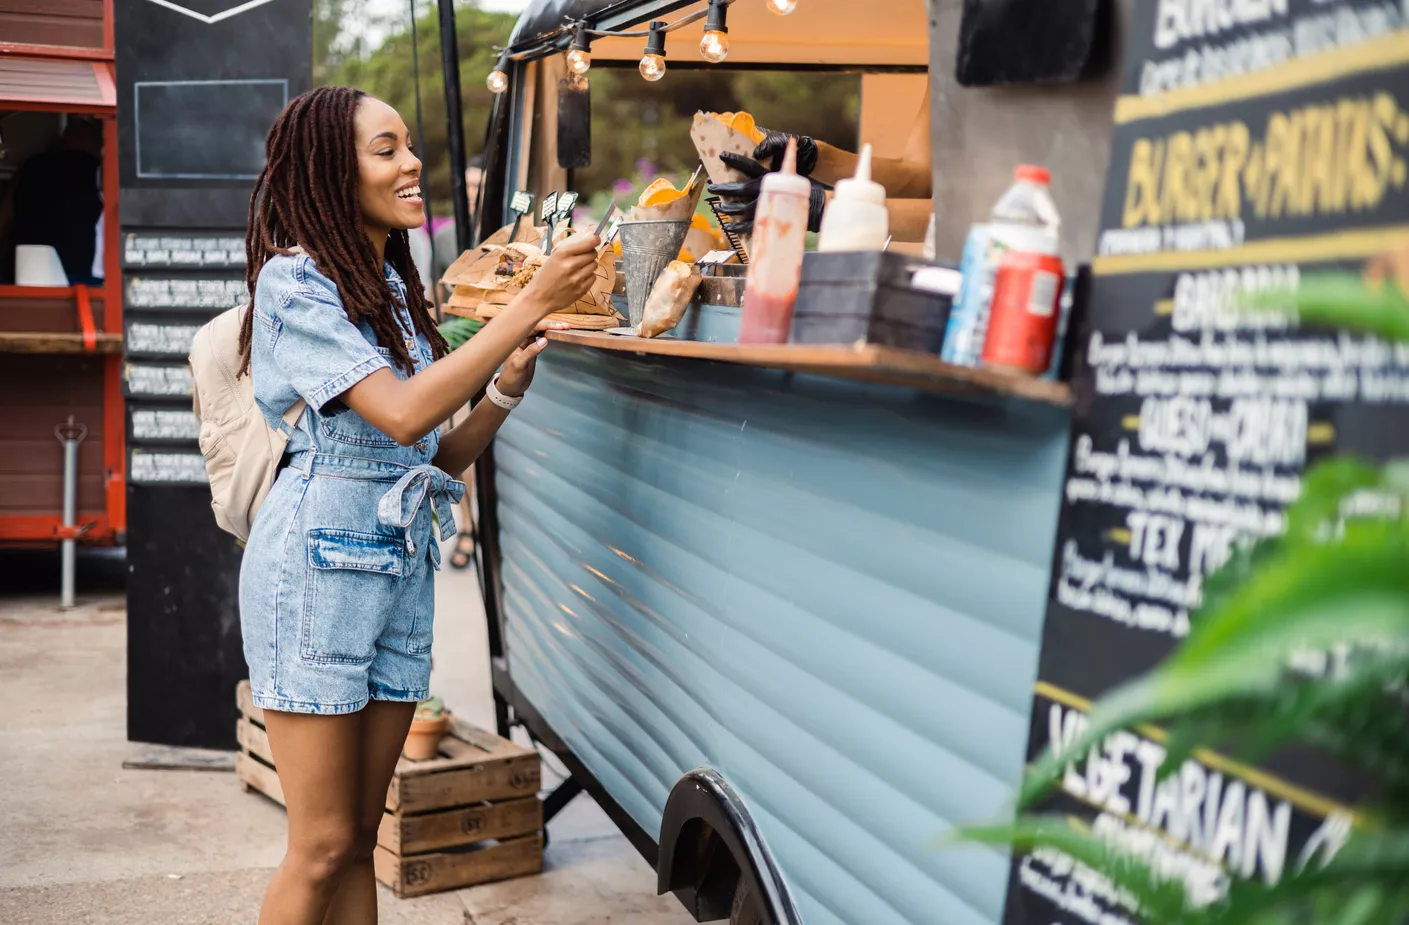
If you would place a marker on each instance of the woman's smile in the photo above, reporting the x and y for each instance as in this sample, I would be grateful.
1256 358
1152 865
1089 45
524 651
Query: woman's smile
409 197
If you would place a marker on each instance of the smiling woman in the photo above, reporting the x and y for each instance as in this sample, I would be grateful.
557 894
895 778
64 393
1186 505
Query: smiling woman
336 593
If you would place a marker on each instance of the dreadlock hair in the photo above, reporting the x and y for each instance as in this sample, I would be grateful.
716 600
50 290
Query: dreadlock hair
307 195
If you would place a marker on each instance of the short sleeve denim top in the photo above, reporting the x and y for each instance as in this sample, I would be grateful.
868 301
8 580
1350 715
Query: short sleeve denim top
305 346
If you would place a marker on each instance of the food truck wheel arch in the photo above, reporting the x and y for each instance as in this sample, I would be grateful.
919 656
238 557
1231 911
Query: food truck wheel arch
713 858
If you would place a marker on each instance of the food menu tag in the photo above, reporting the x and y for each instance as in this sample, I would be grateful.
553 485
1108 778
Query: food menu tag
522 202
546 211
566 203
1250 149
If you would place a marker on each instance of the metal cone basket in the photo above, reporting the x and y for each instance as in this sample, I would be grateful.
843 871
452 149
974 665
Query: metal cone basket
646 249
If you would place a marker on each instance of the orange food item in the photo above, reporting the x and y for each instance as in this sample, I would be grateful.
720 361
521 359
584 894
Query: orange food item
742 123
661 192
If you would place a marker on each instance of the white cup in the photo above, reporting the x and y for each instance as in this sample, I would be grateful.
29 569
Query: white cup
38 265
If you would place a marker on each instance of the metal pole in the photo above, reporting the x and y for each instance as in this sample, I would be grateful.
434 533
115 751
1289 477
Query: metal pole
455 119
487 524
70 435
421 148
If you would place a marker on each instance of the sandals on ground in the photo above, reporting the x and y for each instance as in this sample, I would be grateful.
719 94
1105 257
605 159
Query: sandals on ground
464 550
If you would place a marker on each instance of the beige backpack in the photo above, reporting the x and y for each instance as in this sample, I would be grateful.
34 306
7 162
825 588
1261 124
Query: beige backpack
242 452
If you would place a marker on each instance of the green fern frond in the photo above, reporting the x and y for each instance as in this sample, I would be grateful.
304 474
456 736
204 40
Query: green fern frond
1357 717
1341 300
1156 898
1354 590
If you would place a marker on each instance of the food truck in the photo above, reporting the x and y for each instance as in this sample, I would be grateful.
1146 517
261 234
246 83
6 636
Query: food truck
791 612
60 332
777 607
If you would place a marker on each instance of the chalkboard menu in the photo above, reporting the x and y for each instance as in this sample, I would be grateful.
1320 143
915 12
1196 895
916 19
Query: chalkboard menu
1254 143
201 82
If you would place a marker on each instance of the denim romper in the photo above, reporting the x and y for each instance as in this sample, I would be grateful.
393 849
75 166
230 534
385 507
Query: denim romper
336 591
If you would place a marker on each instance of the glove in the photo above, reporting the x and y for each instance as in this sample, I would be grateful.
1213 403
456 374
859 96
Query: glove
775 144
741 198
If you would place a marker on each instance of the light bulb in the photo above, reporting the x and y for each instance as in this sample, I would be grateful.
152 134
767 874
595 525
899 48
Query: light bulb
714 46
579 61
652 67
781 7
498 81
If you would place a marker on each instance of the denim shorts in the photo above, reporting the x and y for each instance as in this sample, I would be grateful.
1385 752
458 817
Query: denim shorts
336 611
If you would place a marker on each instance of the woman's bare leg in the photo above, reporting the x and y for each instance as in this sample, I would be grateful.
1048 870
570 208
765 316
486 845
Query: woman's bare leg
319 764
384 727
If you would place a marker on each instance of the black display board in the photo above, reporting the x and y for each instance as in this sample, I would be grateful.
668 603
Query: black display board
199 84
1254 143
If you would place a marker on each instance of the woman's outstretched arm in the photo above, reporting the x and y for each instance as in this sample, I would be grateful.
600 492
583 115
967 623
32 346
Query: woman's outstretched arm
408 409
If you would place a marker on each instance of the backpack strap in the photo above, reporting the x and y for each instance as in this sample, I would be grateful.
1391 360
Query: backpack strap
290 420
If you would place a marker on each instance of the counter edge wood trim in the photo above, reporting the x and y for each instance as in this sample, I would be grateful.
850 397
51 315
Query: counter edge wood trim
865 363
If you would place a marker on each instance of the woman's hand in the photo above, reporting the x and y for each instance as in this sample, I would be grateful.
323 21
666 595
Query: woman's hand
517 374
566 276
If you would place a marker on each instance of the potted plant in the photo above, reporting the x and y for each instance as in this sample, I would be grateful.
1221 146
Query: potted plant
428 725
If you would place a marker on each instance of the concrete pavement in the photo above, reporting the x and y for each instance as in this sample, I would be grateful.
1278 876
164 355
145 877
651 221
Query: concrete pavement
85 841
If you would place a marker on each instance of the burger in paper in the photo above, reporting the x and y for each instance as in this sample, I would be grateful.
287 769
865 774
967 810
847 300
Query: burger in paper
669 298
487 278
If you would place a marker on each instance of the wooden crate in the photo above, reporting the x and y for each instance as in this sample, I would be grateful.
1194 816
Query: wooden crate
419 874
470 815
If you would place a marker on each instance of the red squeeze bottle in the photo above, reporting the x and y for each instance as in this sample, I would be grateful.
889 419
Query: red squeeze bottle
775 251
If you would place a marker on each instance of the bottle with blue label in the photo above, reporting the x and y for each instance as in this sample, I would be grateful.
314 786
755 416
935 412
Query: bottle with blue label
1024 219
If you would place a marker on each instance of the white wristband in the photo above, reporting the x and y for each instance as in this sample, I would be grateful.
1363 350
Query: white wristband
506 402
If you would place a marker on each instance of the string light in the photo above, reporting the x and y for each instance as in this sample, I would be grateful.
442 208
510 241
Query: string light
781 7
580 55
498 80
652 65
714 44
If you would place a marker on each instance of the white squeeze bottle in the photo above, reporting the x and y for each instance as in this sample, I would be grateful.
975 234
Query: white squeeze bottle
775 254
856 218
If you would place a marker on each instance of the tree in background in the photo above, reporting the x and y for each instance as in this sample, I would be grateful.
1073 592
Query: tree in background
632 120
341 56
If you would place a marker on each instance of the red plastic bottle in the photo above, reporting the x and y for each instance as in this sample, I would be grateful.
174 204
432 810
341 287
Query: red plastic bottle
1027 289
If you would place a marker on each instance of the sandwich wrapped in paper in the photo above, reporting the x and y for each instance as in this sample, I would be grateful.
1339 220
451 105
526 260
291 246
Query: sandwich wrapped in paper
717 132
482 281
669 298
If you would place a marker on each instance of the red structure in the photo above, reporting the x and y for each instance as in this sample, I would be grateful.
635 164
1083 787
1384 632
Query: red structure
60 348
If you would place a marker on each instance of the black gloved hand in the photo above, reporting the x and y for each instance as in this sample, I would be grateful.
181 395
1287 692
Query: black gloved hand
741 198
775 144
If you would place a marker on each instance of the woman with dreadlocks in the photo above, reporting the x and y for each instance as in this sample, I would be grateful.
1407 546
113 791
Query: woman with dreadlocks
336 597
